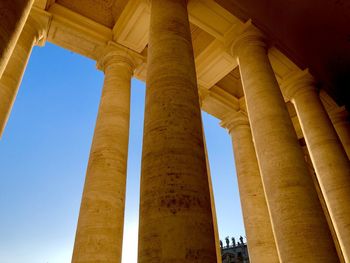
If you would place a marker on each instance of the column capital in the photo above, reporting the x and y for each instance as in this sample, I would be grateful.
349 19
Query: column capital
249 36
38 23
339 115
297 82
234 119
114 53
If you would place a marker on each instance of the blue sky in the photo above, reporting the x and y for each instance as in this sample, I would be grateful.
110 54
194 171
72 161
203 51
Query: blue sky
44 152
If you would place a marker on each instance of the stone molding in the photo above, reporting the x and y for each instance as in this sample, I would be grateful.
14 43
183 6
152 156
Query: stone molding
114 53
234 119
39 23
243 105
203 94
296 83
135 15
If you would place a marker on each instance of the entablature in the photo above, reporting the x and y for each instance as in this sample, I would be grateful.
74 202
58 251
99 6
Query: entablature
213 28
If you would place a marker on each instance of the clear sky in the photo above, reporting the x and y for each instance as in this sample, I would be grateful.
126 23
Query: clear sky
44 153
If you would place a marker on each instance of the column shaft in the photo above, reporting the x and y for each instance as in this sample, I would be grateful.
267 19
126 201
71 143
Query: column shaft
100 227
176 223
13 14
323 203
300 228
327 154
261 243
212 202
340 121
12 76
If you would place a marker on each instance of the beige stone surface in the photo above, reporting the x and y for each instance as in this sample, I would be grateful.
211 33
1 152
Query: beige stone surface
13 15
177 206
212 201
176 222
299 225
10 81
327 154
323 203
261 242
340 120
99 233
12 76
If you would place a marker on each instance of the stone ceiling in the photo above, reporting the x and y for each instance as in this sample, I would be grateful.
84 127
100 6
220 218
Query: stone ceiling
105 12
232 83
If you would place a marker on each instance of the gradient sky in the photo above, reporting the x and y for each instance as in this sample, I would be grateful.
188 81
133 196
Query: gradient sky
44 152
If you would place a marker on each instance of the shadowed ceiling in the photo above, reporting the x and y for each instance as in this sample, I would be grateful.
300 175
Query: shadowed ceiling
312 33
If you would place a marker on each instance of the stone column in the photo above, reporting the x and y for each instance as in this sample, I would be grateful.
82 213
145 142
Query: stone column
99 233
203 93
261 242
299 225
322 201
340 121
212 201
13 15
33 31
176 223
328 157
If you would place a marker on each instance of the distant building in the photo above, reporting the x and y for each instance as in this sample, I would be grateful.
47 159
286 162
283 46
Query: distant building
236 252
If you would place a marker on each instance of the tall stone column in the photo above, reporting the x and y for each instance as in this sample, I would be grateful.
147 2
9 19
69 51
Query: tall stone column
176 223
340 121
323 203
13 15
33 31
299 225
99 233
328 156
202 93
261 242
212 202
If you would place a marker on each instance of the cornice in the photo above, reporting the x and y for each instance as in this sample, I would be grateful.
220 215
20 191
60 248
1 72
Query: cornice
76 32
132 27
39 22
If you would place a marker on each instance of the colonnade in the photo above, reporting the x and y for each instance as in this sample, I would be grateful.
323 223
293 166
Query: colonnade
283 217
